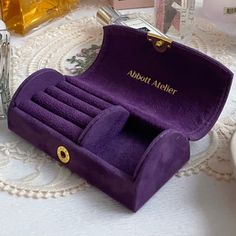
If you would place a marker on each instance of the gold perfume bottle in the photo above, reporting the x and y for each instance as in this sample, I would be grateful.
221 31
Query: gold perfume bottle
23 15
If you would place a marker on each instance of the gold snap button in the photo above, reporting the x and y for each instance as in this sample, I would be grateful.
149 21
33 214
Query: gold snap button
63 154
159 43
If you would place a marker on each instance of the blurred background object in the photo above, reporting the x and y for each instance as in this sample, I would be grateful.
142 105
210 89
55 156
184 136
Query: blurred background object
220 10
125 4
109 16
4 70
175 18
22 15
233 152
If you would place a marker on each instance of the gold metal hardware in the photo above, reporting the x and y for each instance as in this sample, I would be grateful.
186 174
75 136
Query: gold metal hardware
160 42
103 17
63 154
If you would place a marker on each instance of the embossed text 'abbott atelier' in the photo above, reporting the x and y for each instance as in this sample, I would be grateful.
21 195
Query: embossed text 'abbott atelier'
152 82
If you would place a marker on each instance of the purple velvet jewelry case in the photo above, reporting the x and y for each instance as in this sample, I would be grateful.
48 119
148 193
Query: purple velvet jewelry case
124 124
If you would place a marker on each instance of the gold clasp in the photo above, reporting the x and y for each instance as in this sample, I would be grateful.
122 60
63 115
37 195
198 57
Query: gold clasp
160 43
63 154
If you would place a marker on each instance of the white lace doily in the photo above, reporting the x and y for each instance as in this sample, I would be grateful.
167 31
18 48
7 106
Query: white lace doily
26 171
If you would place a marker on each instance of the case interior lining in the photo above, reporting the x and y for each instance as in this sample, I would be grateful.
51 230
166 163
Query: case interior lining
123 145
127 72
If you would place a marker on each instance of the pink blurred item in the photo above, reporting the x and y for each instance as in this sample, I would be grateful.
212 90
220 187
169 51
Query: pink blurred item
175 17
125 4
220 10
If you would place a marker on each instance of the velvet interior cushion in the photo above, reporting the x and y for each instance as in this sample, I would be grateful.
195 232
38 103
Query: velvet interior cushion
65 108
118 138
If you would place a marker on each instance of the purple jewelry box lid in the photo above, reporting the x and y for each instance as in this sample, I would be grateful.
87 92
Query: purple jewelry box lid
181 88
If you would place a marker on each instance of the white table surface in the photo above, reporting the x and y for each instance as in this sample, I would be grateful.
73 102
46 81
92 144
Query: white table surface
198 205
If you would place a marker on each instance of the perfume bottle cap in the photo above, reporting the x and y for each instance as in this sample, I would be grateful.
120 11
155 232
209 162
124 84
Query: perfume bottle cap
107 15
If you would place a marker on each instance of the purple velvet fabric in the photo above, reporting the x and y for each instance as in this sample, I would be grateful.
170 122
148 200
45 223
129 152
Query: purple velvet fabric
125 133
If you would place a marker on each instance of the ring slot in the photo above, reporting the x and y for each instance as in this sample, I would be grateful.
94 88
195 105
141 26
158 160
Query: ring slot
84 96
61 109
72 101
54 121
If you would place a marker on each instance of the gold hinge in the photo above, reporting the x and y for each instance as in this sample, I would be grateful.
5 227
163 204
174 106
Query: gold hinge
160 43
